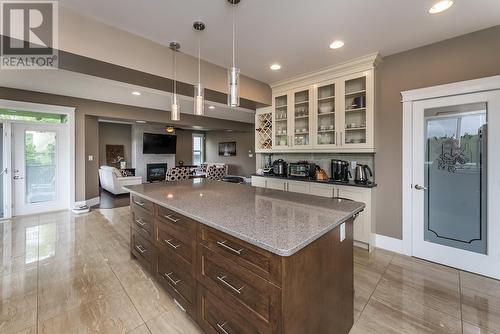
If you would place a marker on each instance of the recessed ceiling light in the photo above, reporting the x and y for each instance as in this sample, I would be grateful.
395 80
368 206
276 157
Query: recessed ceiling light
441 6
275 67
336 45
136 93
211 107
141 122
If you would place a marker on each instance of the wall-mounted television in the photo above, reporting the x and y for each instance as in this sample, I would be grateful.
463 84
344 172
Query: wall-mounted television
153 143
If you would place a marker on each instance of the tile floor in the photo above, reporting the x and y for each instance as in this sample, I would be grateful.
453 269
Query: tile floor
66 274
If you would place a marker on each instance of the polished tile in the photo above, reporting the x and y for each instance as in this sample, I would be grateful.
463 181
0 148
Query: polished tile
473 329
142 329
173 322
480 301
18 284
18 313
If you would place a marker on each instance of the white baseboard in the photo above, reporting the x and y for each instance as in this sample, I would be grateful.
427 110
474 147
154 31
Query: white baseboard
90 202
388 243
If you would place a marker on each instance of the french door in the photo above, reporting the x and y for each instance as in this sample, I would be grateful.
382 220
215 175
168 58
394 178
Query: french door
40 168
456 181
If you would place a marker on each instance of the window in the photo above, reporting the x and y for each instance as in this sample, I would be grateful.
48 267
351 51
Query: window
20 115
198 148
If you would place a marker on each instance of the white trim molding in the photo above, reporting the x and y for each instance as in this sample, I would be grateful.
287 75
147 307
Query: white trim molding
90 202
390 244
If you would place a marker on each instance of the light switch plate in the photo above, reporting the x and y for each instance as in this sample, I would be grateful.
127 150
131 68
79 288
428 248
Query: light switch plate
91 158
342 232
353 164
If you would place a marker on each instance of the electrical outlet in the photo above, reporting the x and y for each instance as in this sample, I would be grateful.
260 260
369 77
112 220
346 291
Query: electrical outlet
342 232
353 164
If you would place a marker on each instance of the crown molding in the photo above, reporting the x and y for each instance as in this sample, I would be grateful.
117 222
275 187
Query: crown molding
359 64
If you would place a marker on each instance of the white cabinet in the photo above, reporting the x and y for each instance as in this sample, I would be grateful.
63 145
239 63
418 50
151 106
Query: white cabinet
327 111
364 226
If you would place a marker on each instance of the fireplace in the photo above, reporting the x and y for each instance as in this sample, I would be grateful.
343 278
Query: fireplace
156 172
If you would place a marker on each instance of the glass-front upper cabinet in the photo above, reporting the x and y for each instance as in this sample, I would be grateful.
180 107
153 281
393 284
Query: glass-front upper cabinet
280 128
301 118
326 124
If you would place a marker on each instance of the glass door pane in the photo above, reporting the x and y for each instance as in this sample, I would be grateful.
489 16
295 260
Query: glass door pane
455 176
41 166
301 118
355 111
281 121
326 115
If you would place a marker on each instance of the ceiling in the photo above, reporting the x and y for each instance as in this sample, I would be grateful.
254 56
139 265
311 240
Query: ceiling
79 85
293 33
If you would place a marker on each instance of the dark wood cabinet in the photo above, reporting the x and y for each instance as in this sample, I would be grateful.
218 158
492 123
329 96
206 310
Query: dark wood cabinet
230 286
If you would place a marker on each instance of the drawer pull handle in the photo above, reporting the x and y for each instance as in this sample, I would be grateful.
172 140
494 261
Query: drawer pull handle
223 280
169 242
140 222
174 282
172 219
179 305
141 249
221 327
224 245
140 203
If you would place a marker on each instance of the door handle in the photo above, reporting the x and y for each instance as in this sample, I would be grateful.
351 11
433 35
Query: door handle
17 177
419 187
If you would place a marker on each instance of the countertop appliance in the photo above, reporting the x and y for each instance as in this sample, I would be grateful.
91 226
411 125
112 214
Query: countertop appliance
280 167
302 169
340 170
361 174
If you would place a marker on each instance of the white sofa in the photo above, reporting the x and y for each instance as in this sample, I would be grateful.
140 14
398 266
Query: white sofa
112 181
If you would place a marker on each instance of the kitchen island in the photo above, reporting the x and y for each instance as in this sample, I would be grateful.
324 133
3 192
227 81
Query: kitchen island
240 259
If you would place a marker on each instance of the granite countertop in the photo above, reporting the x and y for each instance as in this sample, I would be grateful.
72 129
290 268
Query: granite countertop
277 221
329 181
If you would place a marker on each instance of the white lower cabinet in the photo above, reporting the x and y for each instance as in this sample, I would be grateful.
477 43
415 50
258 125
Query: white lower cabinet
364 226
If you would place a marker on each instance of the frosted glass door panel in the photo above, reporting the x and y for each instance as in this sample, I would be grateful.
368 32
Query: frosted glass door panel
455 177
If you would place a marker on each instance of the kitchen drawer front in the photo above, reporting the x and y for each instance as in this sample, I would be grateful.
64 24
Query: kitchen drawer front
141 203
143 223
222 317
168 240
142 249
259 261
180 281
229 281
173 220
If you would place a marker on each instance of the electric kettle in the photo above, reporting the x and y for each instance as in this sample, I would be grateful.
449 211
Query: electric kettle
361 174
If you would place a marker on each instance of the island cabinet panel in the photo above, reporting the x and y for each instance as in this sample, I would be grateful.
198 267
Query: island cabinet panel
256 298
142 249
143 223
219 317
140 203
178 222
257 260
173 242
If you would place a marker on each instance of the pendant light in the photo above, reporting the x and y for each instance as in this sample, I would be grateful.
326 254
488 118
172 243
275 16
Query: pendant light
199 100
175 107
233 73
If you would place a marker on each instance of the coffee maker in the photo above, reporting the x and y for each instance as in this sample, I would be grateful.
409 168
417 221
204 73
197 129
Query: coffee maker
340 170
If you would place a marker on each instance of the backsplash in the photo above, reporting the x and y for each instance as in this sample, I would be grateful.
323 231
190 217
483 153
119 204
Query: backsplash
321 159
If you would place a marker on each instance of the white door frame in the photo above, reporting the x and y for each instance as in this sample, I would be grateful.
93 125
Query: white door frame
44 108
408 99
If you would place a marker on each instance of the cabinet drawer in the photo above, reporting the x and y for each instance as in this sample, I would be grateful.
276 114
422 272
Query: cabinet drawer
141 203
227 280
142 249
170 242
143 223
180 281
175 221
259 261
221 317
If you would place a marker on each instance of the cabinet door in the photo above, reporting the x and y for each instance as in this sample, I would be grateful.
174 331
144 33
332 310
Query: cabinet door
301 118
298 187
325 130
362 225
258 181
357 111
276 184
280 127
323 190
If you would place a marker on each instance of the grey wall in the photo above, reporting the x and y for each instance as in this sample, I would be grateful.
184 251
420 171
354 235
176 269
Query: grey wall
115 134
471 56
241 164
184 146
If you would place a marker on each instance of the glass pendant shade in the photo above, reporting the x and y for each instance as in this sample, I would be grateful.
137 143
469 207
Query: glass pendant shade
199 100
233 97
175 109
